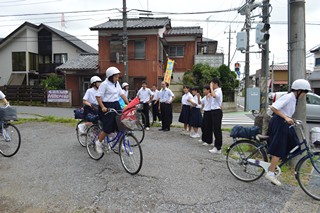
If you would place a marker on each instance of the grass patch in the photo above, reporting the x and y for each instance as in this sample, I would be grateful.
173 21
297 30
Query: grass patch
49 119
287 175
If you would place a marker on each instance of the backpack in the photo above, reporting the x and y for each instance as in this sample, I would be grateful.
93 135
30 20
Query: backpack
79 113
244 132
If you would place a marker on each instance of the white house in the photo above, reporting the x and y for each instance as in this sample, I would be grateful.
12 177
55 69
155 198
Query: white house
31 52
315 75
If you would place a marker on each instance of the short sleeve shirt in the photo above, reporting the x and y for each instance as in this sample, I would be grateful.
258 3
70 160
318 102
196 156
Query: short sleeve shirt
165 95
144 95
185 98
196 100
155 95
206 103
286 104
217 101
109 92
2 96
90 96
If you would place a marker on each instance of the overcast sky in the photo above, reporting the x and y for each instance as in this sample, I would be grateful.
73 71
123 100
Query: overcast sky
78 24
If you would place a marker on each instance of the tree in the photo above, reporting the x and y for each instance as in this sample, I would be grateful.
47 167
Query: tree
228 78
53 82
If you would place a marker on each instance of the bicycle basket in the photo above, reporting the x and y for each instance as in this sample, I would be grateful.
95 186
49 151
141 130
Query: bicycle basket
244 132
127 120
8 114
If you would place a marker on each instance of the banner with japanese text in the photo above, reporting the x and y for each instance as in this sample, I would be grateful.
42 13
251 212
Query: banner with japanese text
168 74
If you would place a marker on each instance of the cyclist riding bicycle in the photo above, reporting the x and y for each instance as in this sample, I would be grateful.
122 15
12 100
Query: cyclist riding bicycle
282 139
3 98
90 102
108 97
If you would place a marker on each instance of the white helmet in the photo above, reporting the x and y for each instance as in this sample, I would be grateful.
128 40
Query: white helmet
301 84
124 84
112 71
95 79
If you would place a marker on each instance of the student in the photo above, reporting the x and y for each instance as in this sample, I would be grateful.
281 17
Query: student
125 88
90 102
196 116
206 126
155 104
184 117
166 97
3 98
216 113
108 97
282 138
145 95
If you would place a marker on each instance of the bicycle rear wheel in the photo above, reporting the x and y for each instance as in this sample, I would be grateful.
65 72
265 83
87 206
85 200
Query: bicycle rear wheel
139 132
308 176
10 140
237 163
92 137
130 154
82 137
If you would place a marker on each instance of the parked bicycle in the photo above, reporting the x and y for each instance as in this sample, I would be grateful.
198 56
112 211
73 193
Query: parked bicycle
10 139
122 142
247 160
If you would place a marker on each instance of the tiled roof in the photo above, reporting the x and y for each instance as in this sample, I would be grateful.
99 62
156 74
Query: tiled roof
72 39
82 62
136 23
315 49
279 67
184 31
204 39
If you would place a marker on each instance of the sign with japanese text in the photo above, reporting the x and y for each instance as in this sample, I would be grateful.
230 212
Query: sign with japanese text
58 96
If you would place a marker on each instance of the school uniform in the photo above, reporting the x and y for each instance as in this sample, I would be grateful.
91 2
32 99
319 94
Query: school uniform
196 116
184 116
144 96
165 97
217 115
90 96
155 106
126 93
109 92
282 139
206 126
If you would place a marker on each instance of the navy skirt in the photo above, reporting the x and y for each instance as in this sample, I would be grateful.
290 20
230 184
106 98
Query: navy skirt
108 120
282 139
185 114
195 117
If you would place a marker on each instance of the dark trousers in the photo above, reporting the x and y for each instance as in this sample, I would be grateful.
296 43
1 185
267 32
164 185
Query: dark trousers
155 111
166 115
216 124
206 127
145 111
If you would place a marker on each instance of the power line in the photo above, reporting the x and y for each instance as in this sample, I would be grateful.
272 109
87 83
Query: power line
192 13
16 5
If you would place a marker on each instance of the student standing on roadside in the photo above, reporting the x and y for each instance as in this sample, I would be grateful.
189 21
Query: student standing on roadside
206 126
184 117
166 97
155 104
125 88
196 116
216 112
145 95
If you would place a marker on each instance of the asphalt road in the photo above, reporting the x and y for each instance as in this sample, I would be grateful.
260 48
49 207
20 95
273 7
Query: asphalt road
53 173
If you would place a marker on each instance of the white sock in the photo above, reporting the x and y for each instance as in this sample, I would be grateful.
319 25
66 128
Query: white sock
271 173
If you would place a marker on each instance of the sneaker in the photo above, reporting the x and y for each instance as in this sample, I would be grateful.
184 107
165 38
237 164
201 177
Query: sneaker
82 128
215 151
200 140
205 144
99 147
147 128
196 135
273 179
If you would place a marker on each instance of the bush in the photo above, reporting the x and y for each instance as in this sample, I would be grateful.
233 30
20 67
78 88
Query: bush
53 82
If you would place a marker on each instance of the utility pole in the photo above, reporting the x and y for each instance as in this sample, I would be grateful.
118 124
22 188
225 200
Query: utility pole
229 47
125 41
247 55
297 51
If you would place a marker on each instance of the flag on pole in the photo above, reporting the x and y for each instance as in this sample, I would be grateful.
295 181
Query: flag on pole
168 74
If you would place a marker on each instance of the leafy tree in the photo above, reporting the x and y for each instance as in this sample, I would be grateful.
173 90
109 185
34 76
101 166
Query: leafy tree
53 82
228 78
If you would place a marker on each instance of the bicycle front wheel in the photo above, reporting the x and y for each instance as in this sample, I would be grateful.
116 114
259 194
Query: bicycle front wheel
82 137
237 160
130 154
10 140
92 137
307 173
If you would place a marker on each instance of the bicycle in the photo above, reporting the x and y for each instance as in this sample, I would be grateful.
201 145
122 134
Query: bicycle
10 139
247 160
123 143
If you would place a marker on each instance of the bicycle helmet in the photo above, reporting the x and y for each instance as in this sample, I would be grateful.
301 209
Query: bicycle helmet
301 84
95 79
112 71
124 84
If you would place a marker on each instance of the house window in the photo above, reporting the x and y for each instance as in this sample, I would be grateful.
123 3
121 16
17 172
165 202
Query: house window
176 51
44 59
115 49
139 49
317 63
60 58
33 61
18 61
